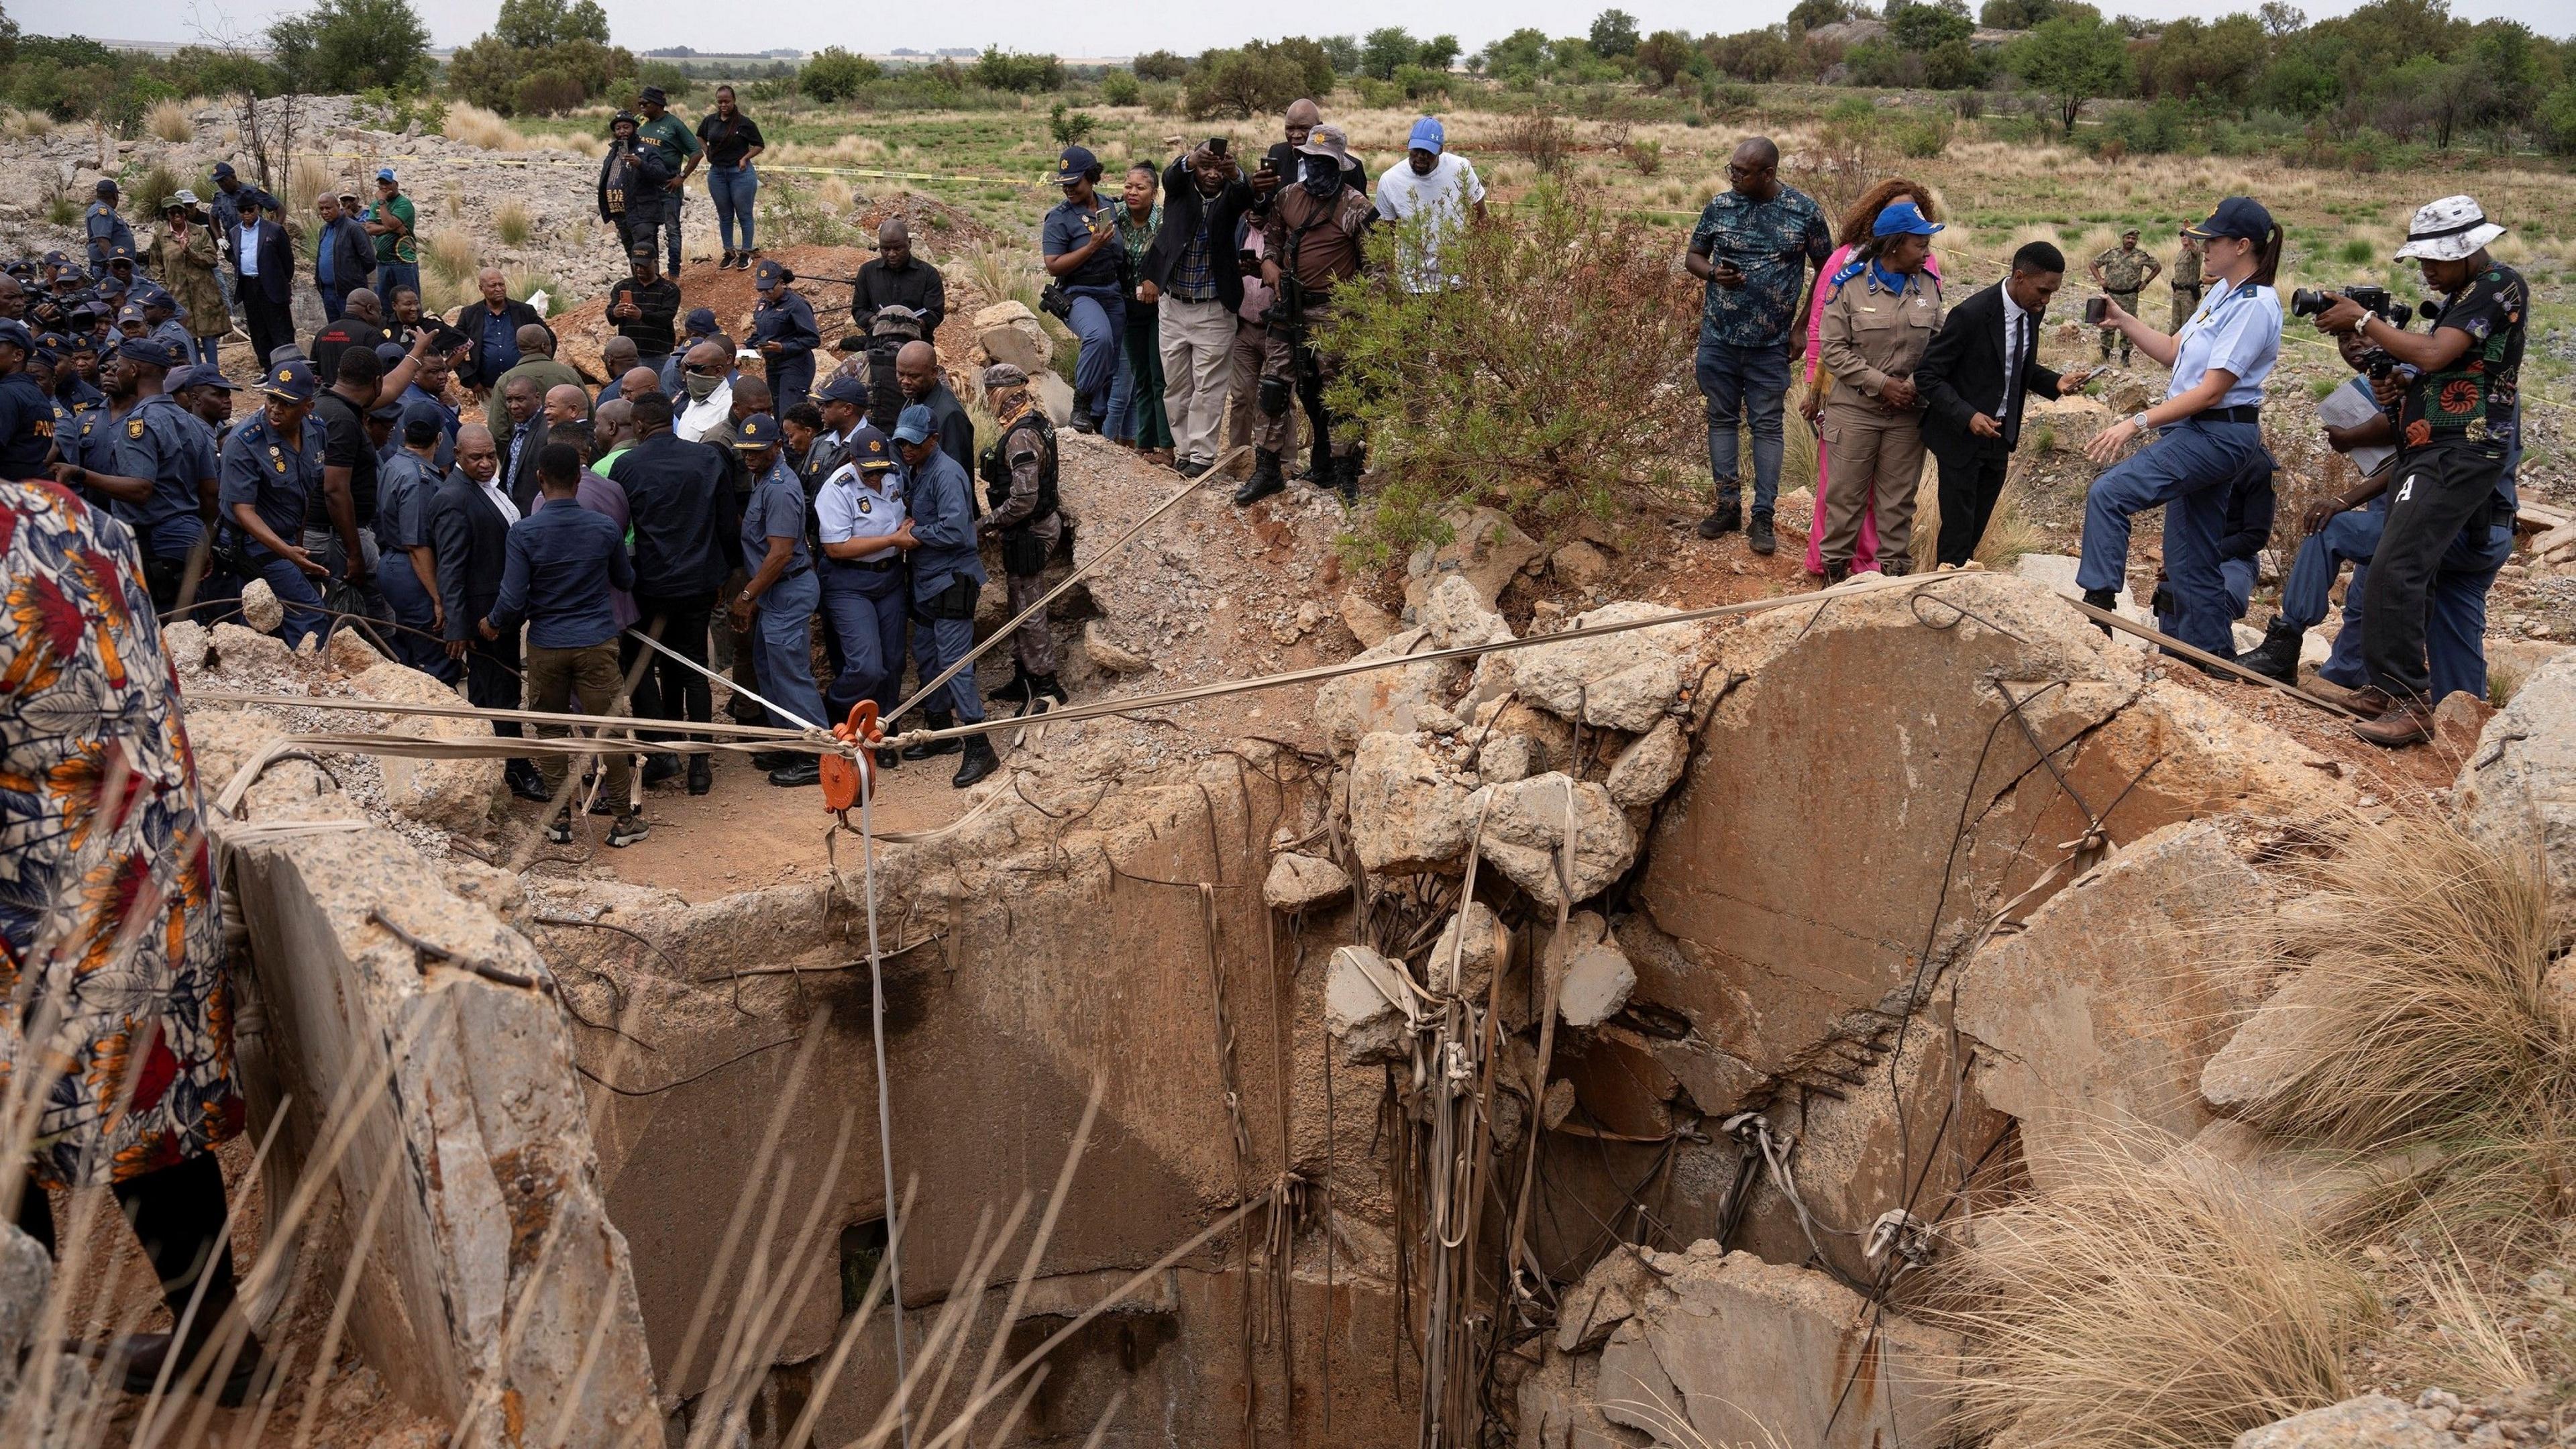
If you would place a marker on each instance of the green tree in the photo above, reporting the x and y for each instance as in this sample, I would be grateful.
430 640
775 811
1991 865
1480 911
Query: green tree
2016 14
2282 19
1438 53
2556 120
1161 65
1750 55
1614 35
2217 63
1343 51
1384 50
1522 53
1817 14
1005 70
2296 85
1954 65
1119 87
1311 59
1924 27
1258 79
340 46
1663 56
539 24
2072 59
834 74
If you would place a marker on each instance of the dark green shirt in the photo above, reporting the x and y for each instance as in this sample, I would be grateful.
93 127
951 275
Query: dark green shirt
672 137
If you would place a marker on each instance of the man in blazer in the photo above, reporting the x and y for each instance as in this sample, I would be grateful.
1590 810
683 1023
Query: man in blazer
1189 274
344 256
469 535
264 275
491 329
1972 380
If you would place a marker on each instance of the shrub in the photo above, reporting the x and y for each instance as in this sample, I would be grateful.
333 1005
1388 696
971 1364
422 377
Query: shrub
1119 87
1646 155
1161 65
1562 381
157 186
343 46
546 93
1070 128
450 255
1004 70
1256 80
1924 139
1540 137
170 121
835 75
1418 82
511 223
2556 122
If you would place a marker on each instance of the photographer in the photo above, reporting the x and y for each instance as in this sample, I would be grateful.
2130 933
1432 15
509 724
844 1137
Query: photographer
2208 428
2459 431
183 256
1080 240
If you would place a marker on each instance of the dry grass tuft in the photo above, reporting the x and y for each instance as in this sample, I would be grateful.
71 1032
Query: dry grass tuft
511 222
476 126
308 179
1000 274
450 257
2159 1305
2476 1349
171 121
26 125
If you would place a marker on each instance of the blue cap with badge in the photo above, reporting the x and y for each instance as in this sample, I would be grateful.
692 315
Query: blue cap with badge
290 381
158 352
844 387
870 452
2240 218
1903 219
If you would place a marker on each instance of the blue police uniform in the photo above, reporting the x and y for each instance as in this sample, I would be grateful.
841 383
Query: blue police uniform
783 617
27 422
404 487
107 231
1098 300
274 474
789 322
2189 467
867 599
173 447
92 445
947 576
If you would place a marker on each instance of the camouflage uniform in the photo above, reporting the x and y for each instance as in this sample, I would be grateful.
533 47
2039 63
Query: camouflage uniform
2124 271
2186 286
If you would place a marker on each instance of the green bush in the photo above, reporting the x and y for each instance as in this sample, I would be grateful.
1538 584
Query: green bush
1070 128
1924 139
340 46
1004 70
1161 65
1259 79
835 75
546 93
1120 87
2556 121
487 72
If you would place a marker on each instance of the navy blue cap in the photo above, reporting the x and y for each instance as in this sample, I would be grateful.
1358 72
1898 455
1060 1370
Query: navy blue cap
106 187
130 312
2239 217
224 171
869 450
759 430
390 353
768 274
291 380
844 387
1072 163
57 259
200 375
701 322
15 333
120 253
153 351
912 425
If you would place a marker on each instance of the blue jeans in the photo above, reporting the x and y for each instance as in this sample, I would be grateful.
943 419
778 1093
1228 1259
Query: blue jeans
392 277
870 610
413 610
2349 537
330 301
784 627
733 189
1099 372
303 602
673 202
2186 472
204 348
1739 383
937 644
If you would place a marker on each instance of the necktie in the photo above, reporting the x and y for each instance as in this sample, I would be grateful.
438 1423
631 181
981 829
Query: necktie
2012 370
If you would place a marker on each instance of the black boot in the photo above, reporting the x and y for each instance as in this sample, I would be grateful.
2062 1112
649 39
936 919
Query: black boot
661 767
2277 657
1265 479
1759 536
2105 599
702 774
524 781
1835 573
1346 478
937 720
1041 693
802 770
980 761
1726 518
1017 691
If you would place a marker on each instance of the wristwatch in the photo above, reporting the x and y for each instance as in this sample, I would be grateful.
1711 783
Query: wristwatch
2139 421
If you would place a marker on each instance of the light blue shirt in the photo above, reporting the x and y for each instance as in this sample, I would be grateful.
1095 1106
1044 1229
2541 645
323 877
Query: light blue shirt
246 250
848 508
2236 330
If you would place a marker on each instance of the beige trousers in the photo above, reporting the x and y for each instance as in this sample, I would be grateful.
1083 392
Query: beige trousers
1878 463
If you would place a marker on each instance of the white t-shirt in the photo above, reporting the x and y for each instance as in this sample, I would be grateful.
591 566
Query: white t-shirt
1445 194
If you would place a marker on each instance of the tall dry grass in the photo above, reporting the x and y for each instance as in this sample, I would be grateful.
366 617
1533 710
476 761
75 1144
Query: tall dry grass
475 126
26 125
2157 1305
512 223
171 121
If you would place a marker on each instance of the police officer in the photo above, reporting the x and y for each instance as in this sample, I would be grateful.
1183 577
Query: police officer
865 533
106 230
171 452
947 576
406 483
1019 473
774 613
270 465
26 414
782 328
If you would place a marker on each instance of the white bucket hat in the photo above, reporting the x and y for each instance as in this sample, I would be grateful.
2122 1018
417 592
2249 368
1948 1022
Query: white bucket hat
2447 230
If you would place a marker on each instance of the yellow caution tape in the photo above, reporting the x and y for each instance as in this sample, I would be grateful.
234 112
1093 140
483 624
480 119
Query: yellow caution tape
382 159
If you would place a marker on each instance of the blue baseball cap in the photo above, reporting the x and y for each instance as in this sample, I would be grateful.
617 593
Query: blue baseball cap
130 312
768 274
844 388
201 375
1073 163
701 322
1903 219
1428 135
912 425
15 333
869 450
384 173
2240 218
759 430
291 380
153 352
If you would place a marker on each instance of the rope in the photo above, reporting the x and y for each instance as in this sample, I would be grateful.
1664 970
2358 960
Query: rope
885 1108
667 652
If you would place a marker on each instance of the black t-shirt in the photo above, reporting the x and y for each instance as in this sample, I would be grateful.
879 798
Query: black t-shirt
26 428
339 337
2478 397
726 141
345 445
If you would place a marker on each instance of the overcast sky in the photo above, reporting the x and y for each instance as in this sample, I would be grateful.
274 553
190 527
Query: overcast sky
1070 29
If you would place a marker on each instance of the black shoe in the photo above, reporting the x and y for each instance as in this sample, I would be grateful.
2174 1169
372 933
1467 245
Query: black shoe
806 770
525 782
658 768
980 761
2277 657
1835 573
1895 568
2104 599
889 759
1346 478
702 774
1758 535
144 1353
936 720
1017 691
602 805
725 262
1193 468
1084 422
1726 518
1265 479
1044 686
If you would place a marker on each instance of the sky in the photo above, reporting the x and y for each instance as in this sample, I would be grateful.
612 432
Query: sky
1074 29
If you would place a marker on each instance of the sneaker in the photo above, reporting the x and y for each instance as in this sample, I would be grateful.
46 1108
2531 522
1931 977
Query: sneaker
630 828
1726 518
1758 535
725 262
559 830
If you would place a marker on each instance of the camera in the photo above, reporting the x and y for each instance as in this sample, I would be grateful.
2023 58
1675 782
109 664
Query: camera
2310 301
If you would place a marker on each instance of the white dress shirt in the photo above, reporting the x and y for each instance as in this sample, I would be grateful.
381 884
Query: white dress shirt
2018 327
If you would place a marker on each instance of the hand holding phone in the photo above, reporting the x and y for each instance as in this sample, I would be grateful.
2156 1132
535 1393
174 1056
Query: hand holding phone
2097 310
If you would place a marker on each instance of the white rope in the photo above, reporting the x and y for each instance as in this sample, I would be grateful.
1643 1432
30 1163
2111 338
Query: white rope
885 1108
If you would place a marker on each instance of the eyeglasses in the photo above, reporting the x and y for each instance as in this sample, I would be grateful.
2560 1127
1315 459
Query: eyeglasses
1738 169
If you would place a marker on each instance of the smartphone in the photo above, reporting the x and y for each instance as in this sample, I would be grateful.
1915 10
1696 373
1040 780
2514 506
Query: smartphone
1216 145
2097 310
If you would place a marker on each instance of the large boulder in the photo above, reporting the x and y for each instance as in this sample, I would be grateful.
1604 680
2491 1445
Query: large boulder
1409 811
1402 698
2095 1020
455 794
1009 332
1625 681
2373 1421
2519 785
1525 827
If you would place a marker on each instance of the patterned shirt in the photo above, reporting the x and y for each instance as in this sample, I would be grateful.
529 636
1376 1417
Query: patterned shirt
2478 397
1772 242
1193 278
2124 269
2186 270
107 910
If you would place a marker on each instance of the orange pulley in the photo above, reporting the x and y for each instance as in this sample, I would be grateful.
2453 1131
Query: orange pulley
850 778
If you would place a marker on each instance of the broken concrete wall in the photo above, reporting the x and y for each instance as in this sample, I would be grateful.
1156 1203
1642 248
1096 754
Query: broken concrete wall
496 1294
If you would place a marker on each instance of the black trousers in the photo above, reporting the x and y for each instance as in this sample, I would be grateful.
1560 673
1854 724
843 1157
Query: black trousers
1972 478
268 323
682 692
2440 489
178 1215
492 681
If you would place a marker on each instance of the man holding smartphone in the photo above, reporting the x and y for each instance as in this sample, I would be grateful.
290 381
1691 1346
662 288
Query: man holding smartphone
1752 246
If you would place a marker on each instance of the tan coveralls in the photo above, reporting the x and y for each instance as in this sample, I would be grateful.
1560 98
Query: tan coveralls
1871 336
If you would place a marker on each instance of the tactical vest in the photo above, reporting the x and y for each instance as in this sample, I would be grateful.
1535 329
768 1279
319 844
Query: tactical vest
996 469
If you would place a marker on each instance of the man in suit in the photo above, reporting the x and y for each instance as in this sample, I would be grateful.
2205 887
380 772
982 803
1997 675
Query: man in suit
561 417
492 331
469 533
1972 379
344 256
264 276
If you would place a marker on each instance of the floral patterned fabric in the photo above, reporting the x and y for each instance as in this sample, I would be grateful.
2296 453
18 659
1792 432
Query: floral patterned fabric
109 943
2479 396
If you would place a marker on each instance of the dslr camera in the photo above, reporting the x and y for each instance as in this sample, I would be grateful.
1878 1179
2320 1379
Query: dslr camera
2310 301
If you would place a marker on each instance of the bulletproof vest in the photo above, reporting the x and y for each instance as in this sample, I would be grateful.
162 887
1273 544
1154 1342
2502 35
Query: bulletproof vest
894 327
996 469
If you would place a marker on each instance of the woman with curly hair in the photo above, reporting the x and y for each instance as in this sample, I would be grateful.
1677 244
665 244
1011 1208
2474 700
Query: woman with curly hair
1850 236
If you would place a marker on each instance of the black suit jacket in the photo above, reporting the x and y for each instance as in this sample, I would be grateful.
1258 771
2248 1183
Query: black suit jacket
276 279
471 541
1182 208
1962 373
470 322
521 485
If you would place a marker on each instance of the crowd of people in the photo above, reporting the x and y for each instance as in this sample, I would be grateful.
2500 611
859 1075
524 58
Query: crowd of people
1895 372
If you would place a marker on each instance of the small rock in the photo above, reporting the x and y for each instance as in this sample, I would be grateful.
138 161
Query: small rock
1455 615
1302 882
1507 758
1367 1006
260 608
184 640
2547 1283
1487 946
1368 623
348 652
1108 656
1579 565
1648 767
2373 1421
1597 982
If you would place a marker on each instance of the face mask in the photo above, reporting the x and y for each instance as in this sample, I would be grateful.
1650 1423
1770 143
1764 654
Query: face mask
1323 178
701 387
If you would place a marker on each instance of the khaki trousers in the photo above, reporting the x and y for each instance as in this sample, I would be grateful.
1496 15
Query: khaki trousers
1198 354
555 678
1878 462
1251 346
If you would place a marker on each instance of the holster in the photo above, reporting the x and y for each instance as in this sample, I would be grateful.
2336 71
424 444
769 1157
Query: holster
957 601
1023 553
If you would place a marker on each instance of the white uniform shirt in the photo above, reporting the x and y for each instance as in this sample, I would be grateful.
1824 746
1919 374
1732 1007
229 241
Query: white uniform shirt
849 508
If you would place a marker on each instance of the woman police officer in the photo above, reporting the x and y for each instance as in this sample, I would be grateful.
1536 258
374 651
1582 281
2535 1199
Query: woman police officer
2207 427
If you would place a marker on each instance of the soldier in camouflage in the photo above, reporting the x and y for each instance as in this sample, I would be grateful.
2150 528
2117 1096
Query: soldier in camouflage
2122 272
